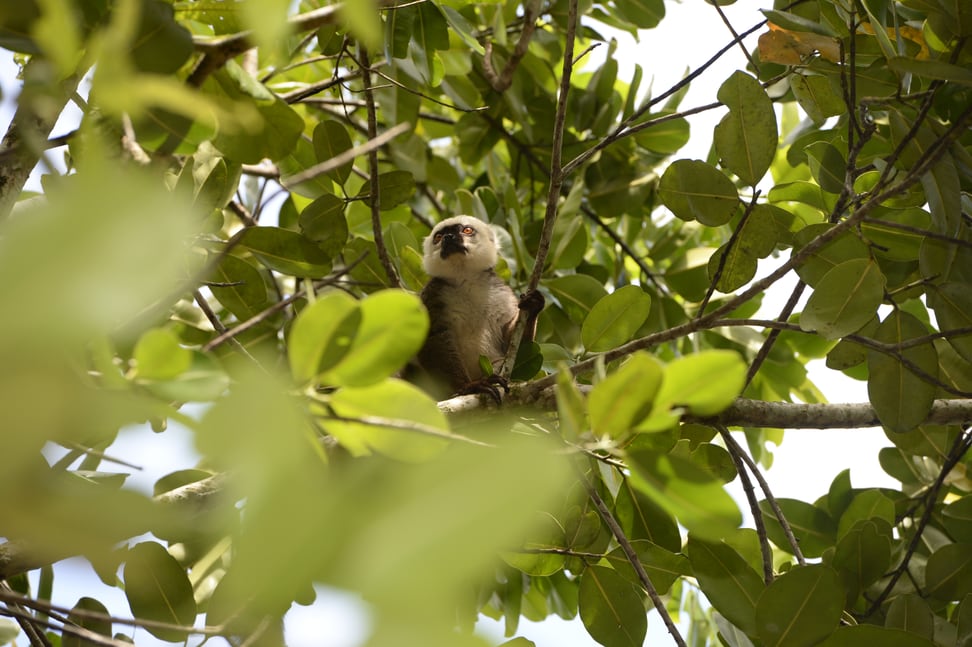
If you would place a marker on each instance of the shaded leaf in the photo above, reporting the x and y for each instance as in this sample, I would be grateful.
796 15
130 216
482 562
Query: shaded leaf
800 607
901 398
611 608
157 589
730 584
694 190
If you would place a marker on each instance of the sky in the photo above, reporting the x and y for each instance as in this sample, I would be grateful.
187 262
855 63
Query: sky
803 466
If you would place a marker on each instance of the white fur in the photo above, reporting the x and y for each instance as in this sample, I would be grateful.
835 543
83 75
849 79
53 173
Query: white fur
480 251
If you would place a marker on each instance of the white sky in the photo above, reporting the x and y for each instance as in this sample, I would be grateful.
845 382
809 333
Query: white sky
804 466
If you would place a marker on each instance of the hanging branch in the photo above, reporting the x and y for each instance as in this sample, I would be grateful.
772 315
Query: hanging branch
747 484
373 199
556 182
738 451
632 556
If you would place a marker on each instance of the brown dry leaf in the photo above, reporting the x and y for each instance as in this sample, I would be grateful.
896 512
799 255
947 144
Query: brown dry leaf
779 45
908 33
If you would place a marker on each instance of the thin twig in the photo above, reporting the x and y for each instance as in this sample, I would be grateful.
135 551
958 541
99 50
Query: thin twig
737 449
764 547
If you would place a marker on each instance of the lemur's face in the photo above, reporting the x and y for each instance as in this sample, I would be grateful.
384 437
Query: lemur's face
459 246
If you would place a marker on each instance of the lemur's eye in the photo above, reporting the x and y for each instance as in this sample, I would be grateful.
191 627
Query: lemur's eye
436 239
468 231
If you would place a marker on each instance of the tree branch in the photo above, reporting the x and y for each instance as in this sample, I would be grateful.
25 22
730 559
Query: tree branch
502 81
632 556
556 182
373 200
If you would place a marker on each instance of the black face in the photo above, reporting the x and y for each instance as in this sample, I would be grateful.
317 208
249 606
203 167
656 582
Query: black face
452 239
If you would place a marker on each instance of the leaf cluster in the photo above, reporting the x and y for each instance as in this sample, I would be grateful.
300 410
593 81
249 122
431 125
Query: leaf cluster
234 245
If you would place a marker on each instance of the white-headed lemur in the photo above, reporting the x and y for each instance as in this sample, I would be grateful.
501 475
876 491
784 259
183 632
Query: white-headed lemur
472 312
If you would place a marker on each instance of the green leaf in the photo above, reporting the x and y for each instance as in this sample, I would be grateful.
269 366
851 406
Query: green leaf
577 294
694 190
158 355
866 505
728 581
157 589
323 222
958 519
616 318
746 138
858 635
161 44
394 188
97 625
242 289
388 402
817 96
796 22
845 299
203 381
331 139
322 334
952 303
864 554
814 529
393 328
280 126
912 614
641 518
901 398
691 494
704 384
611 608
932 69
663 567
948 574
801 607
844 248
622 399
286 251
827 165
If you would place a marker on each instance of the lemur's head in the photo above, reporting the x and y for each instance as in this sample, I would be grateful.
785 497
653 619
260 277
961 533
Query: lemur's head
459 247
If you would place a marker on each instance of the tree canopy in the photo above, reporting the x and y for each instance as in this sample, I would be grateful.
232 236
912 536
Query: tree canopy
235 246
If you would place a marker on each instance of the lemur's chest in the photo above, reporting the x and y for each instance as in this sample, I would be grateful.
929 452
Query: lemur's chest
480 313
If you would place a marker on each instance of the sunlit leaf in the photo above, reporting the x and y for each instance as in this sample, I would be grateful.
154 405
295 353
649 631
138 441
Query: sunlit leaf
746 137
845 299
694 190
614 319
